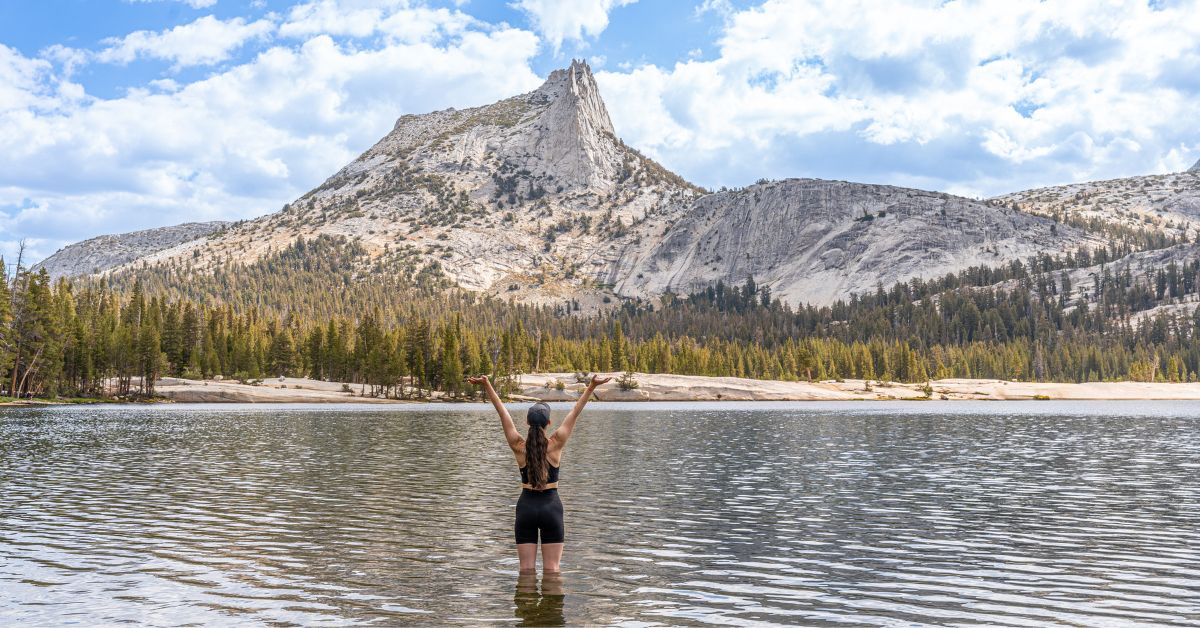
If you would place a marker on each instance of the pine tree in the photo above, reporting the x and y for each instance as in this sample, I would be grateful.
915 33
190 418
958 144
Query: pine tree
190 340
33 330
618 348
315 351
452 370
172 341
416 353
150 359
282 357
6 339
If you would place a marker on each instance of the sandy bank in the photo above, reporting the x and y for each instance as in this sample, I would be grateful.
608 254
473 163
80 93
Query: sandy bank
31 402
659 387
274 390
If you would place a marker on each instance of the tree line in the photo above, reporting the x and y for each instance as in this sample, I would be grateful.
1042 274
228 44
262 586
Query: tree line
104 338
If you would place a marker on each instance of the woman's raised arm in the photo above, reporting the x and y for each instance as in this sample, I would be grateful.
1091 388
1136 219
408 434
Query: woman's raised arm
510 431
564 431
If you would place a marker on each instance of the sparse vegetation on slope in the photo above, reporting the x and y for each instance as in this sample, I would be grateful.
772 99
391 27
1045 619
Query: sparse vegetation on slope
397 339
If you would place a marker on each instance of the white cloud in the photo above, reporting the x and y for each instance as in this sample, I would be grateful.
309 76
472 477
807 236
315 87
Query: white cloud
236 144
977 98
560 20
205 41
334 17
22 81
988 96
69 58
396 20
720 7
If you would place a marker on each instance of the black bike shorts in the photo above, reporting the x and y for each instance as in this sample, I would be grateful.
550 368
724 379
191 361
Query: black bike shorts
539 511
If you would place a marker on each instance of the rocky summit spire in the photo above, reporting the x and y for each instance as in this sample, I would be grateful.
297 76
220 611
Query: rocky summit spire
573 138
1195 167
575 88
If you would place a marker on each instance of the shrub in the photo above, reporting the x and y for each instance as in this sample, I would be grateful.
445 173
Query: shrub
627 382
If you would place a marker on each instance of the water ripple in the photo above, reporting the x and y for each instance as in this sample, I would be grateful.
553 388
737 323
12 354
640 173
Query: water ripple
766 514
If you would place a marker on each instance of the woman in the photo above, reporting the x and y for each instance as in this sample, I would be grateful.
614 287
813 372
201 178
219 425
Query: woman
539 456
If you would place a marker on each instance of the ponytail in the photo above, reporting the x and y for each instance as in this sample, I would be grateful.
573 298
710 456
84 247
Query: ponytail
536 459
537 462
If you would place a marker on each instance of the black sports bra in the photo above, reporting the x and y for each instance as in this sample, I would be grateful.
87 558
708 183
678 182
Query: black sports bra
551 475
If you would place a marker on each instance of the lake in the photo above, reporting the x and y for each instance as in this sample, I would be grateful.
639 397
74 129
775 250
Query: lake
1003 513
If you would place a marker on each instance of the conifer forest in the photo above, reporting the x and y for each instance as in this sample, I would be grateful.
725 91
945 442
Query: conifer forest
309 311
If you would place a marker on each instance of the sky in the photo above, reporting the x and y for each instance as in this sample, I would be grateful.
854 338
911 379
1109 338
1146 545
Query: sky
118 115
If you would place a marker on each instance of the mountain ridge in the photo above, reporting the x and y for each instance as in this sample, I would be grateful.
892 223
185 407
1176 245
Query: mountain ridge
849 237
535 198
108 251
533 186
1167 203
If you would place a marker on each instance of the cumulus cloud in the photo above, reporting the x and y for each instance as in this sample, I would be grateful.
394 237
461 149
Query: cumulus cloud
334 17
205 41
22 81
235 144
397 20
560 20
978 98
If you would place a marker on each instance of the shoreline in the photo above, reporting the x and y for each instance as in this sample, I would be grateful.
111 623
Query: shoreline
663 387
72 401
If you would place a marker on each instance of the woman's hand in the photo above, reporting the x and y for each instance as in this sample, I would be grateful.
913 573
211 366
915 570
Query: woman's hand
564 429
510 431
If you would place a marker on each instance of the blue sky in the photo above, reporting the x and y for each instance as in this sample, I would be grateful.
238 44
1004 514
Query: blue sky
118 115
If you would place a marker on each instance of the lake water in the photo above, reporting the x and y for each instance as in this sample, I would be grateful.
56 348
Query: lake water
1003 513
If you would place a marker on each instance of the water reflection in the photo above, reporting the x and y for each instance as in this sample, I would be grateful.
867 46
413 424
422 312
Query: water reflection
539 608
993 513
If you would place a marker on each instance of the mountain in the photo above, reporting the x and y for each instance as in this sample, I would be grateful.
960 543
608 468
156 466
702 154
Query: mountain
1168 204
1195 167
1092 286
534 191
816 241
535 198
110 251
